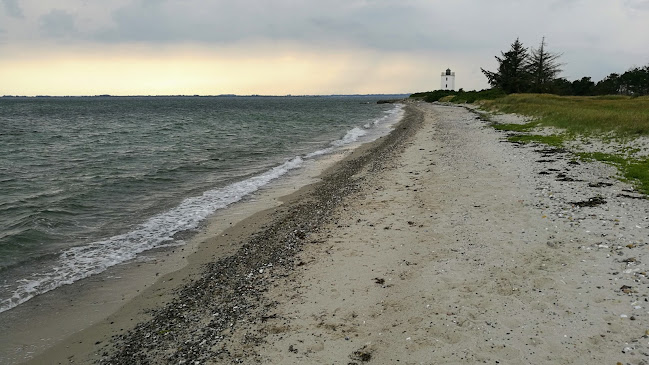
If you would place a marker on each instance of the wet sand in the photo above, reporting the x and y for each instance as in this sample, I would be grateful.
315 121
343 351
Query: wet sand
436 244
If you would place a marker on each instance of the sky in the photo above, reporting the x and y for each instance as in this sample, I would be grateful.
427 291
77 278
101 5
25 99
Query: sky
307 47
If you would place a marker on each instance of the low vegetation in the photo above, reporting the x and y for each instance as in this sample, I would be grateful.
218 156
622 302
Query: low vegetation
632 170
553 140
615 109
621 116
611 118
460 96
608 118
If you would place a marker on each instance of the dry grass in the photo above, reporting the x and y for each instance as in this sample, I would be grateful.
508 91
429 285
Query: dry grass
622 115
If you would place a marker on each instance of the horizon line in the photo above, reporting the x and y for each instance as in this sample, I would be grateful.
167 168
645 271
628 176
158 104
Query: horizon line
193 95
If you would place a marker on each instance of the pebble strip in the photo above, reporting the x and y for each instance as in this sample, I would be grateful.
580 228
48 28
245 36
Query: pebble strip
196 325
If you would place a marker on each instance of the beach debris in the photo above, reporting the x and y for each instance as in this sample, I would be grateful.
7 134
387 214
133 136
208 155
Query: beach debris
627 289
553 244
550 151
564 177
599 184
639 197
591 202
266 318
379 281
362 355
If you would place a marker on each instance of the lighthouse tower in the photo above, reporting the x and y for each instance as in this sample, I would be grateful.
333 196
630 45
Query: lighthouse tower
448 80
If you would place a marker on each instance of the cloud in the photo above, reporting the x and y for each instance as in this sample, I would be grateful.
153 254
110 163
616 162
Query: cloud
58 23
13 9
596 37
399 25
404 25
642 5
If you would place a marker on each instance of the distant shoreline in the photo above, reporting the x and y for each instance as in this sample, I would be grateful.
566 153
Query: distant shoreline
202 96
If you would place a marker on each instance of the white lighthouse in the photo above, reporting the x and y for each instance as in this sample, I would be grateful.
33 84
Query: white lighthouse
448 80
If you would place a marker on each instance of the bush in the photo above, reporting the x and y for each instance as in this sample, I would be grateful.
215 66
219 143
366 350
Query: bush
460 96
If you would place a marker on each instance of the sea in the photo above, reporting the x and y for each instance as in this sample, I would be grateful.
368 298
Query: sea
87 183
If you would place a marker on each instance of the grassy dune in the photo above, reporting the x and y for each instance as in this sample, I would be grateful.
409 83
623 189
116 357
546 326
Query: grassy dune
622 115
612 119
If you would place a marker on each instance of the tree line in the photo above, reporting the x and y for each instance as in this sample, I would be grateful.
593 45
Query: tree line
537 70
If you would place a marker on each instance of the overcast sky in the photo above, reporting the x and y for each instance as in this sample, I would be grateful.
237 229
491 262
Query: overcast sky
128 47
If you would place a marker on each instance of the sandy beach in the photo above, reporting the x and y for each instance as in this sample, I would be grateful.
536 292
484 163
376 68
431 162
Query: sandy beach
438 244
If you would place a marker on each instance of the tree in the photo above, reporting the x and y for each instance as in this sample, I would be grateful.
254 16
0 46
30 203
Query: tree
635 81
561 86
610 85
583 87
511 76
543 67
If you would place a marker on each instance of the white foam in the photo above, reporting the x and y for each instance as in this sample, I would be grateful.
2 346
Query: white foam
82 261
384 124
352 136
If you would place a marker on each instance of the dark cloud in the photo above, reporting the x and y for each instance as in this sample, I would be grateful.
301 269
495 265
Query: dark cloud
592 34
403 25
12 8
59 24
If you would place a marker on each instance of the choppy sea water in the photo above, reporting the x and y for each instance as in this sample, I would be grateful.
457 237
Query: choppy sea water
89 183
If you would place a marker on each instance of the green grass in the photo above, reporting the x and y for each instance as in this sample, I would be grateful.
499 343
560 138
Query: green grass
553 140
638 172
621 115
603 157
633 170
516 127
608 118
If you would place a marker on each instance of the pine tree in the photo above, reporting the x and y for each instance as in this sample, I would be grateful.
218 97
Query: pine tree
543 68
635 81
610 85
511 76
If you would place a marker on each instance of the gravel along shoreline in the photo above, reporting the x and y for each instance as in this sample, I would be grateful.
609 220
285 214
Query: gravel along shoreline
229 294
470 249
439 243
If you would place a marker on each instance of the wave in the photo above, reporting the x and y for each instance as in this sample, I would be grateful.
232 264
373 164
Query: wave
390 118
80 262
